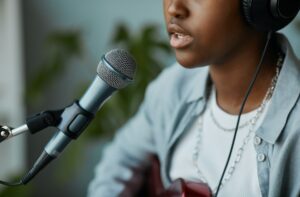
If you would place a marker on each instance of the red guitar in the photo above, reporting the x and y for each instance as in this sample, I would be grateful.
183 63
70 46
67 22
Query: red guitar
179 188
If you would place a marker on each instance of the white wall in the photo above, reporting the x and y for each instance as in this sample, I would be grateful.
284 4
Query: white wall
12 152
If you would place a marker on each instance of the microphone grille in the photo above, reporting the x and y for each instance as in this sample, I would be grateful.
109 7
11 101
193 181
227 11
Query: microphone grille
117 68
122 61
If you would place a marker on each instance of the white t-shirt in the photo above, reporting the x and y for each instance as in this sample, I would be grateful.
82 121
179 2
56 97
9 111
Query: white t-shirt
213 152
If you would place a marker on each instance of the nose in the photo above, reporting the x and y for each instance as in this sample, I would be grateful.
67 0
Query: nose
177 9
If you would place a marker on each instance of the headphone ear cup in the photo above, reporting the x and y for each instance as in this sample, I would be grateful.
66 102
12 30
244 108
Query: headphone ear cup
284 9
257 14
266 15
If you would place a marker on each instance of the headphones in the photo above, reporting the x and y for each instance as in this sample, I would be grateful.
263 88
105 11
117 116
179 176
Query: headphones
270 15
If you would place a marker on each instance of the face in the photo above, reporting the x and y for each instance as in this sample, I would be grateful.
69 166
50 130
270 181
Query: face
204 32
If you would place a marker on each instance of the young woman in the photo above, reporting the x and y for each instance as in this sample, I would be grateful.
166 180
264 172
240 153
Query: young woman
189 115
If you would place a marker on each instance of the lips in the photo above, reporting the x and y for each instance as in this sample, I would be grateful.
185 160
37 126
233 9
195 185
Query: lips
179 38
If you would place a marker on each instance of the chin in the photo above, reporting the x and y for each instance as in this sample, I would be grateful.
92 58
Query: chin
189 60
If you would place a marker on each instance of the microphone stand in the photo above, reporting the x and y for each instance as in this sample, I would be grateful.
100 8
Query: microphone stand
33 124
71 121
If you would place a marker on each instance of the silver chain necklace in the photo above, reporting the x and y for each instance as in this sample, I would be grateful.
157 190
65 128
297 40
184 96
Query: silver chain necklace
217 124
252 124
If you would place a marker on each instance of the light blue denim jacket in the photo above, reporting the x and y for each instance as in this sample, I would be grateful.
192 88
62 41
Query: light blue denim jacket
172 103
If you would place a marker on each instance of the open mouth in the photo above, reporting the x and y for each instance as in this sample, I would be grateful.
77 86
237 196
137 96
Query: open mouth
180 40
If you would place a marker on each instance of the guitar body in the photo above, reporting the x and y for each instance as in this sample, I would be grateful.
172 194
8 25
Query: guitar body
181 189
154 188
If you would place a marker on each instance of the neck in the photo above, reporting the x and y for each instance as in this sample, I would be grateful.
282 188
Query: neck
233 76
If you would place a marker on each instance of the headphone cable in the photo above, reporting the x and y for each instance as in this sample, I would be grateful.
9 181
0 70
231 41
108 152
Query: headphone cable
258 68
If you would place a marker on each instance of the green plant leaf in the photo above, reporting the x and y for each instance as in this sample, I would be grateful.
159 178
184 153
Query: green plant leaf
122 34
60 47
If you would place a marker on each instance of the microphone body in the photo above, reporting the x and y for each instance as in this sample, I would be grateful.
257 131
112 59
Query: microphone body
115 71
76 117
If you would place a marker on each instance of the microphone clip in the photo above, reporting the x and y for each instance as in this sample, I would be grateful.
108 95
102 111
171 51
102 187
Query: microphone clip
43 120
74 120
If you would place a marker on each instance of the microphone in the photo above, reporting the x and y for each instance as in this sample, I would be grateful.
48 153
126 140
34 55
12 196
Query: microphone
115 71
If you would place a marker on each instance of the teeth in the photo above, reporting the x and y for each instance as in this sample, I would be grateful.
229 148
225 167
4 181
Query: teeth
178 35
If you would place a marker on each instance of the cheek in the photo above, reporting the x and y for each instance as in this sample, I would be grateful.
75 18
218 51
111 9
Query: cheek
217 32
220 19
214 23
165 8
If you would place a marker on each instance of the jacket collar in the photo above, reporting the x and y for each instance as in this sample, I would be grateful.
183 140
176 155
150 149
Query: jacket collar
285 96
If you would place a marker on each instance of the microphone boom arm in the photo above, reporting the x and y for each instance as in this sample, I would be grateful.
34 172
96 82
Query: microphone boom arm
33 124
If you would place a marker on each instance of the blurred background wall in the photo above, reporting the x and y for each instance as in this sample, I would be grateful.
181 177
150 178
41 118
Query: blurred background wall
62 42
12 80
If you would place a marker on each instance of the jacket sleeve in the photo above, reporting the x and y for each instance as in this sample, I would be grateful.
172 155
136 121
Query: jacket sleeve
120 173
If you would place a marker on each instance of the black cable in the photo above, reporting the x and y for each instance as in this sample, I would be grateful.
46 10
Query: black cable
258 68
11 184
